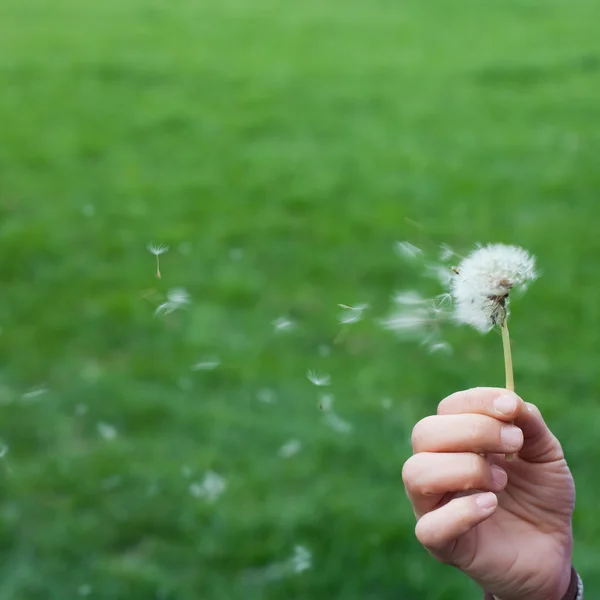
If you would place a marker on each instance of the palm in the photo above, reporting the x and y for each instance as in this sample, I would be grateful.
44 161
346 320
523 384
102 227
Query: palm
530 528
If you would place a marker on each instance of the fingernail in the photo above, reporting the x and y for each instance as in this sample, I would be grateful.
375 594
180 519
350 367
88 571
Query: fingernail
511 436
486 501
499 476
505 405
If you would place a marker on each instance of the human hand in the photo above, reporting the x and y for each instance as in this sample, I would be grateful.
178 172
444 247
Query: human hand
506 524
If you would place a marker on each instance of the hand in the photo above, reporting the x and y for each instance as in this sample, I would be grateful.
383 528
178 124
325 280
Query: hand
506 524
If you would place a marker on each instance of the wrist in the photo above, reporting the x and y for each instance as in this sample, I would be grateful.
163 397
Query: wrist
564 587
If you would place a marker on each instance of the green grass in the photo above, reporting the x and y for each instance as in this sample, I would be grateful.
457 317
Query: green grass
308 135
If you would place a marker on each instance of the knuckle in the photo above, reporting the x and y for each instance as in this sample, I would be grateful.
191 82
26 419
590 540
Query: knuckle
476 471
414 475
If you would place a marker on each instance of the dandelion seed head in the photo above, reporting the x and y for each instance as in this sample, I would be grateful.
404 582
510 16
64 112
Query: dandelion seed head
482 282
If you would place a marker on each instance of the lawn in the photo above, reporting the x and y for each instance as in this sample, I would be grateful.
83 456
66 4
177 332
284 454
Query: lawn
280 149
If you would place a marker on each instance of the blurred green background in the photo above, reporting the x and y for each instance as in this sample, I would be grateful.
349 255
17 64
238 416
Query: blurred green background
280 149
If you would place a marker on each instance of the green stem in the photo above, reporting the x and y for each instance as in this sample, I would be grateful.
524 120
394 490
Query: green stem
508 364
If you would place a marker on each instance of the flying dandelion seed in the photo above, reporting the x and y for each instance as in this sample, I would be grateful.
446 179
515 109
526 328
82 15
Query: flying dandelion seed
409 298
3 450
301 560
442 347
282 324
157 250
338 424
107 431
266 396
84 590
210 489
318 379
35 393
407 250
352 314
208 364
290 449
326 402
177 298
446 253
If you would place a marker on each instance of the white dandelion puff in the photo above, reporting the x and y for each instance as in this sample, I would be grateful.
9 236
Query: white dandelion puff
318 379
352 314
407 250
157 250
482 282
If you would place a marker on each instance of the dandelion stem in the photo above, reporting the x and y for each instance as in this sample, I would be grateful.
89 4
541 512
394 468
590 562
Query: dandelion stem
157 267
508 364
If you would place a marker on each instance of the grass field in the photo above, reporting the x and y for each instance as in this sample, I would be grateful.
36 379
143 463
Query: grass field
280 149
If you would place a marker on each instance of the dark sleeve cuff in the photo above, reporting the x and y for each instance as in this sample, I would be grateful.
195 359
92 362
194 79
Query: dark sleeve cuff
572 592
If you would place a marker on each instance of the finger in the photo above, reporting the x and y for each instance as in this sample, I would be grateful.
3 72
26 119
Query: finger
465 433
539 445
429 477
493 402
439 530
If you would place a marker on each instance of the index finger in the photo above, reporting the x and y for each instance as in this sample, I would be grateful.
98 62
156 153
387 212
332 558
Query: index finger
493 402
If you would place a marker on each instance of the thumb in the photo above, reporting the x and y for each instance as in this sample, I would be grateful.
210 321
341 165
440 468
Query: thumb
539 443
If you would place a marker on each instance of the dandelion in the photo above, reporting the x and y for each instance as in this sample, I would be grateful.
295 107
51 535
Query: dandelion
157 250
481 287
318 379
208 364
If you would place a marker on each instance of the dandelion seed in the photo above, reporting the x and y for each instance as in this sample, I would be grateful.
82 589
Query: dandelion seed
266 396
107 431
337 423
318 379
282 324
440 347
84 590
290 449
440 273
3 450
409 298
177 298
157 250
386 403
446 253
407 250
210 489
352 314
208 364
301 560
35 393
